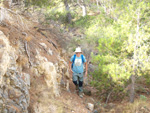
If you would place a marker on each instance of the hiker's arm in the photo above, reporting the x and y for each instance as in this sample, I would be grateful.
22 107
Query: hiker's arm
70 63
86 68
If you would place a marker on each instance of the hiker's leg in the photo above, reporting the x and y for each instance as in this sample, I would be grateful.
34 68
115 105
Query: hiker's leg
75 80
75 83
81 83
81 86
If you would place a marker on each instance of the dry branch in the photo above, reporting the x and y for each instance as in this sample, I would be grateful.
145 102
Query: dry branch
108 97
52 43
28 53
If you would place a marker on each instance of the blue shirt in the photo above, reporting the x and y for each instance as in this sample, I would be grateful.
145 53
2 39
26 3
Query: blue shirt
78 66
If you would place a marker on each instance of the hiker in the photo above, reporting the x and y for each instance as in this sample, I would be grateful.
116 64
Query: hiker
76 68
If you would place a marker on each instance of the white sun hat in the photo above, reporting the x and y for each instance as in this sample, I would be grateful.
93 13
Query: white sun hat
78 49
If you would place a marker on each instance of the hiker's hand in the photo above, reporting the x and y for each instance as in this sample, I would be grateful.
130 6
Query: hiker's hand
85 74
71 71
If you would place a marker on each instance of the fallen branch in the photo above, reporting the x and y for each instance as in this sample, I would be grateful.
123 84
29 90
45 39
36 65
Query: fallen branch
43 48
52 43
42 33
44 29
108 97
22 23
28 54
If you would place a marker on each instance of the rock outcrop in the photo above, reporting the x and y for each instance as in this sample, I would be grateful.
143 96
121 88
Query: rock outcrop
32 67
14 92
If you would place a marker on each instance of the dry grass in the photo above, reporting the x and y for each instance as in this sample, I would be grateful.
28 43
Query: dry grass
139 106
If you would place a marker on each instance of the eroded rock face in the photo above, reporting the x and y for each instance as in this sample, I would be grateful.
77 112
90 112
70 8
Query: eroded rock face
32 69
14 94
16 72
51 76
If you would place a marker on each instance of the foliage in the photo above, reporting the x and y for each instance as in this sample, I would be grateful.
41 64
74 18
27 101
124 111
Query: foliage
142 97
57 16
84 22
117 43
40 2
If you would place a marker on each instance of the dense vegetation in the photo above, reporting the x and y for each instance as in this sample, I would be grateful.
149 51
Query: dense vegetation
118 34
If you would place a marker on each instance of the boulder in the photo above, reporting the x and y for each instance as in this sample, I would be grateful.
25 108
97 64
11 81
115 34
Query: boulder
90 106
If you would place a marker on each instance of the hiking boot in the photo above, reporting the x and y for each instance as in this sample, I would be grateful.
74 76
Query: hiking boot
81 95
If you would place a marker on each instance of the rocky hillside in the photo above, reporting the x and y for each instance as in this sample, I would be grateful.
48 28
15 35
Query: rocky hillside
31 67
34 75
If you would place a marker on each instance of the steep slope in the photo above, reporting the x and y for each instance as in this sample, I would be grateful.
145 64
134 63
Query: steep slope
27 56
34 72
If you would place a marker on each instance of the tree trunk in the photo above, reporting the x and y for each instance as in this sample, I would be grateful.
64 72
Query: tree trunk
83 6
68 16
135 58
132 89
84 13
97 3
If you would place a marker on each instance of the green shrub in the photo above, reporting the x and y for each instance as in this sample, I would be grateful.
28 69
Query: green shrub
142 97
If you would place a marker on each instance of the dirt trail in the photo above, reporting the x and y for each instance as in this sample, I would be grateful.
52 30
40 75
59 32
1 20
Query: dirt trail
76 104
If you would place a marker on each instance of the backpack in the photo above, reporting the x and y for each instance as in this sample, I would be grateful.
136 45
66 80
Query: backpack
74 57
